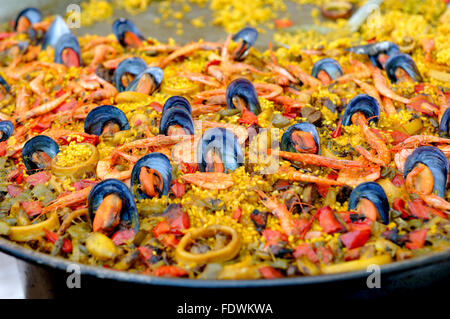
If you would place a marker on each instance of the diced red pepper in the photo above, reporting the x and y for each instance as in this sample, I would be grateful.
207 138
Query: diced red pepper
51 236
306 250
356 238
327 220
237 214
345 216
248 118
269 272
38 178
416 239
179 189
273 237
322 189
15 176
122 236
5 35
326 254
360 225
169 240
145 252
419 87
189 168
32 208
83 184
283 23
352 254
338 131
291 115
59 92
170 271
179 222
163 227
398 180
156 106
3 148
399 205
420 210
213 62
14 190
67 245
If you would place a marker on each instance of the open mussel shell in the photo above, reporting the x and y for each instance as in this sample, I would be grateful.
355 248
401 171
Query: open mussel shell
67 41
176 116
248 36
7 129
33 16
374 193
437 163
373 50
156 74
106 187
328 65
404 61
57 29
444 124
156 161
133 66
243 89
39 143
4 84
225 144
121 27
100 116
361 103
287 143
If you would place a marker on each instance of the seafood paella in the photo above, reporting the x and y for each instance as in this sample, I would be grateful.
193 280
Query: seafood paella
319 152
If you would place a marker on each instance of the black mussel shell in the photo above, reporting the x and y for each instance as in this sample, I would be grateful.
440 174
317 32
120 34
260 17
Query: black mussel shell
225 145
176 115
373 192
156 161
437 163
56 30
404 61
444 125
7 128
373 50
106 187
245 90
39 143
361 103
248 36
177 101
100 116
286 141
33 15
120 26
330 66
4 84
155 73
133 65
67 41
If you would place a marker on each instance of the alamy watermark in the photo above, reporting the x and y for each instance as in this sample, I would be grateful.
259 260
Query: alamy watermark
74 278
374 279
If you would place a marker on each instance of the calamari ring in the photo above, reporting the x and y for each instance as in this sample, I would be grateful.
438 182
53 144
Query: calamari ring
77 171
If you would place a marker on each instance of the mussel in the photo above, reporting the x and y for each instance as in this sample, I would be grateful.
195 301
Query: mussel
430 166
329 66
219 151
362 103
444 124
67 51
127 33
110 202
37 153
127 70
404 62
301 138
26 18
377 52
105 120
4 85
147 82
6 130
241 94
151 176
248 37
176 117
370 199
57 29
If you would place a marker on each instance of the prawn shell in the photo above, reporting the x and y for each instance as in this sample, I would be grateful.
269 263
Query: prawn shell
40 143
156 161
330 66
120 26
57 29
114 186
444 124
374 193
373 50
177 101
362 103
244 89
7 128
248 36
286 140
404 61
176 116
436 162
156 74
33 16
67 41
226 146
101 115
5 84
133 65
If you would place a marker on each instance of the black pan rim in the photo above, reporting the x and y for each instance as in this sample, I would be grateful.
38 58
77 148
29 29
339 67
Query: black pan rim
61 264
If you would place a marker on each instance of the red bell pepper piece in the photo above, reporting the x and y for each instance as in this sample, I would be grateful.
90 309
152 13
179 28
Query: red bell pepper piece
59 93
283 23
327 220
170 271
416 239
338 131
179 222
306 250
14 190
352 254
163 227
420 210
16 176
188 168
356 238
398 180
399 205
169 240
345 216
32 208
51 236
248 118
269 272
83 184
213 62
273 237
3 148
325 254
38 178
360 225
179 189
67 245
237 214
122 236
145 252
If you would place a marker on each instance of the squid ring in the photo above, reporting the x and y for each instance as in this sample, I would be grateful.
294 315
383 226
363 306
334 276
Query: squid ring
78 170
